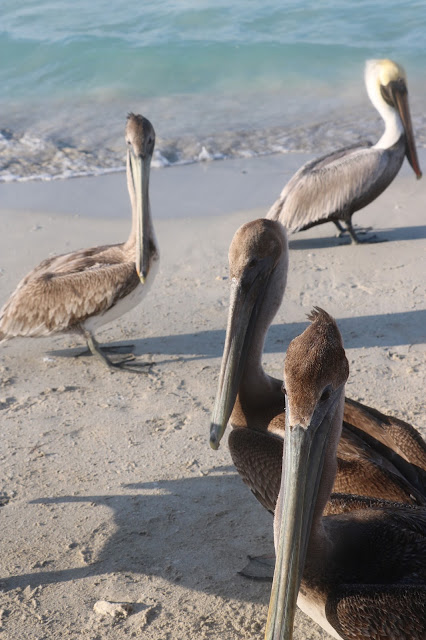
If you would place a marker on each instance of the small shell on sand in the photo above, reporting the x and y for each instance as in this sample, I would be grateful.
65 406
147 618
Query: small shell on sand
113 609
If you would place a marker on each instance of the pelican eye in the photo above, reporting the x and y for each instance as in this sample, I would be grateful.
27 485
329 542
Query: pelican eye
387 94
252 263
325 395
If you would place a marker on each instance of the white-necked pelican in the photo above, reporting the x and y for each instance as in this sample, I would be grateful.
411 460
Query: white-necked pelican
333 187
361 574
80 291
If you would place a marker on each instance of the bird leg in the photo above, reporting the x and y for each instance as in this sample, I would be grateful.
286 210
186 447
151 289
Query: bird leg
118 348
355 239
125 363
342 231
352 233
260 568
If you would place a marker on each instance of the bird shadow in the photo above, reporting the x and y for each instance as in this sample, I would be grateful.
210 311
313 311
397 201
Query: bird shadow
163 529
380 330
377 236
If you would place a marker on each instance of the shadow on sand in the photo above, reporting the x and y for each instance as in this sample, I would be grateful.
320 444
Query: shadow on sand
166 529
378 235
381 330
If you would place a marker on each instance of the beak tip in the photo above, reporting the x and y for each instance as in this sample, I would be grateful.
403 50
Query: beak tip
214 440
214 444
142 276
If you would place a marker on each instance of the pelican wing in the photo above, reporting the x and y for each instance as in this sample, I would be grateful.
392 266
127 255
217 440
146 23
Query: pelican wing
345 503
388 612
258 459
392 432
64 291
383 550
365 467
327 187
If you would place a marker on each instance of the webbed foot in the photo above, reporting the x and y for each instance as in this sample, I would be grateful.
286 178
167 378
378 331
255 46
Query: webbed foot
259 568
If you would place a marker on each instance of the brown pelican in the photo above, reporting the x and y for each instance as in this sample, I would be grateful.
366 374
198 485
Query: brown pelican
361 574
80 291
333 187
378 456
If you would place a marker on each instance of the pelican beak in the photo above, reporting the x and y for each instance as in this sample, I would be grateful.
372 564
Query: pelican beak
398 91
140 167
245 301
303 460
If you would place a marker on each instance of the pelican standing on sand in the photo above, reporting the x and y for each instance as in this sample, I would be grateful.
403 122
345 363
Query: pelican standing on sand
361 574
378 456
333 187
80 291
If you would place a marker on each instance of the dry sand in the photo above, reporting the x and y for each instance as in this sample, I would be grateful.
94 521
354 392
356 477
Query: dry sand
110 490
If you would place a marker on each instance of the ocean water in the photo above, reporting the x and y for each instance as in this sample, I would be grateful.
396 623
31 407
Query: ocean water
218 79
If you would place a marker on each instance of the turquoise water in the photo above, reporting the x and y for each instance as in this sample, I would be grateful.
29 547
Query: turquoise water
218 79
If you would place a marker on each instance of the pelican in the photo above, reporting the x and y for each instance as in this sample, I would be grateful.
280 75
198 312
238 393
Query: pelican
80 291
378 456
333 187
360 574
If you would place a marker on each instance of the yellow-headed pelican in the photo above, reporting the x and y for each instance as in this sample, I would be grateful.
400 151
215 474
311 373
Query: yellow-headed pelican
333 187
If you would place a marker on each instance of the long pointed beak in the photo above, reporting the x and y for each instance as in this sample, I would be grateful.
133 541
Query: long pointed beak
245 301
140 173
401 103
303 461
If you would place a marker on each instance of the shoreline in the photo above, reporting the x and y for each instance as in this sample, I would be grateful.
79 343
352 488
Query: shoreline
211 188
194 189
70 141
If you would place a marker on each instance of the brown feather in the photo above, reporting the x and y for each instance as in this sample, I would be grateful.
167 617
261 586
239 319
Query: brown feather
63 291
365 567
370 461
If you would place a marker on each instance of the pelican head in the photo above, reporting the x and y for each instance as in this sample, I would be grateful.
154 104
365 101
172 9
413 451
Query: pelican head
255 251
315 373
140 139
386 83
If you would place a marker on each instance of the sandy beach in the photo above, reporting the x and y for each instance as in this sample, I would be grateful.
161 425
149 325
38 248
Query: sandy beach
109 489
